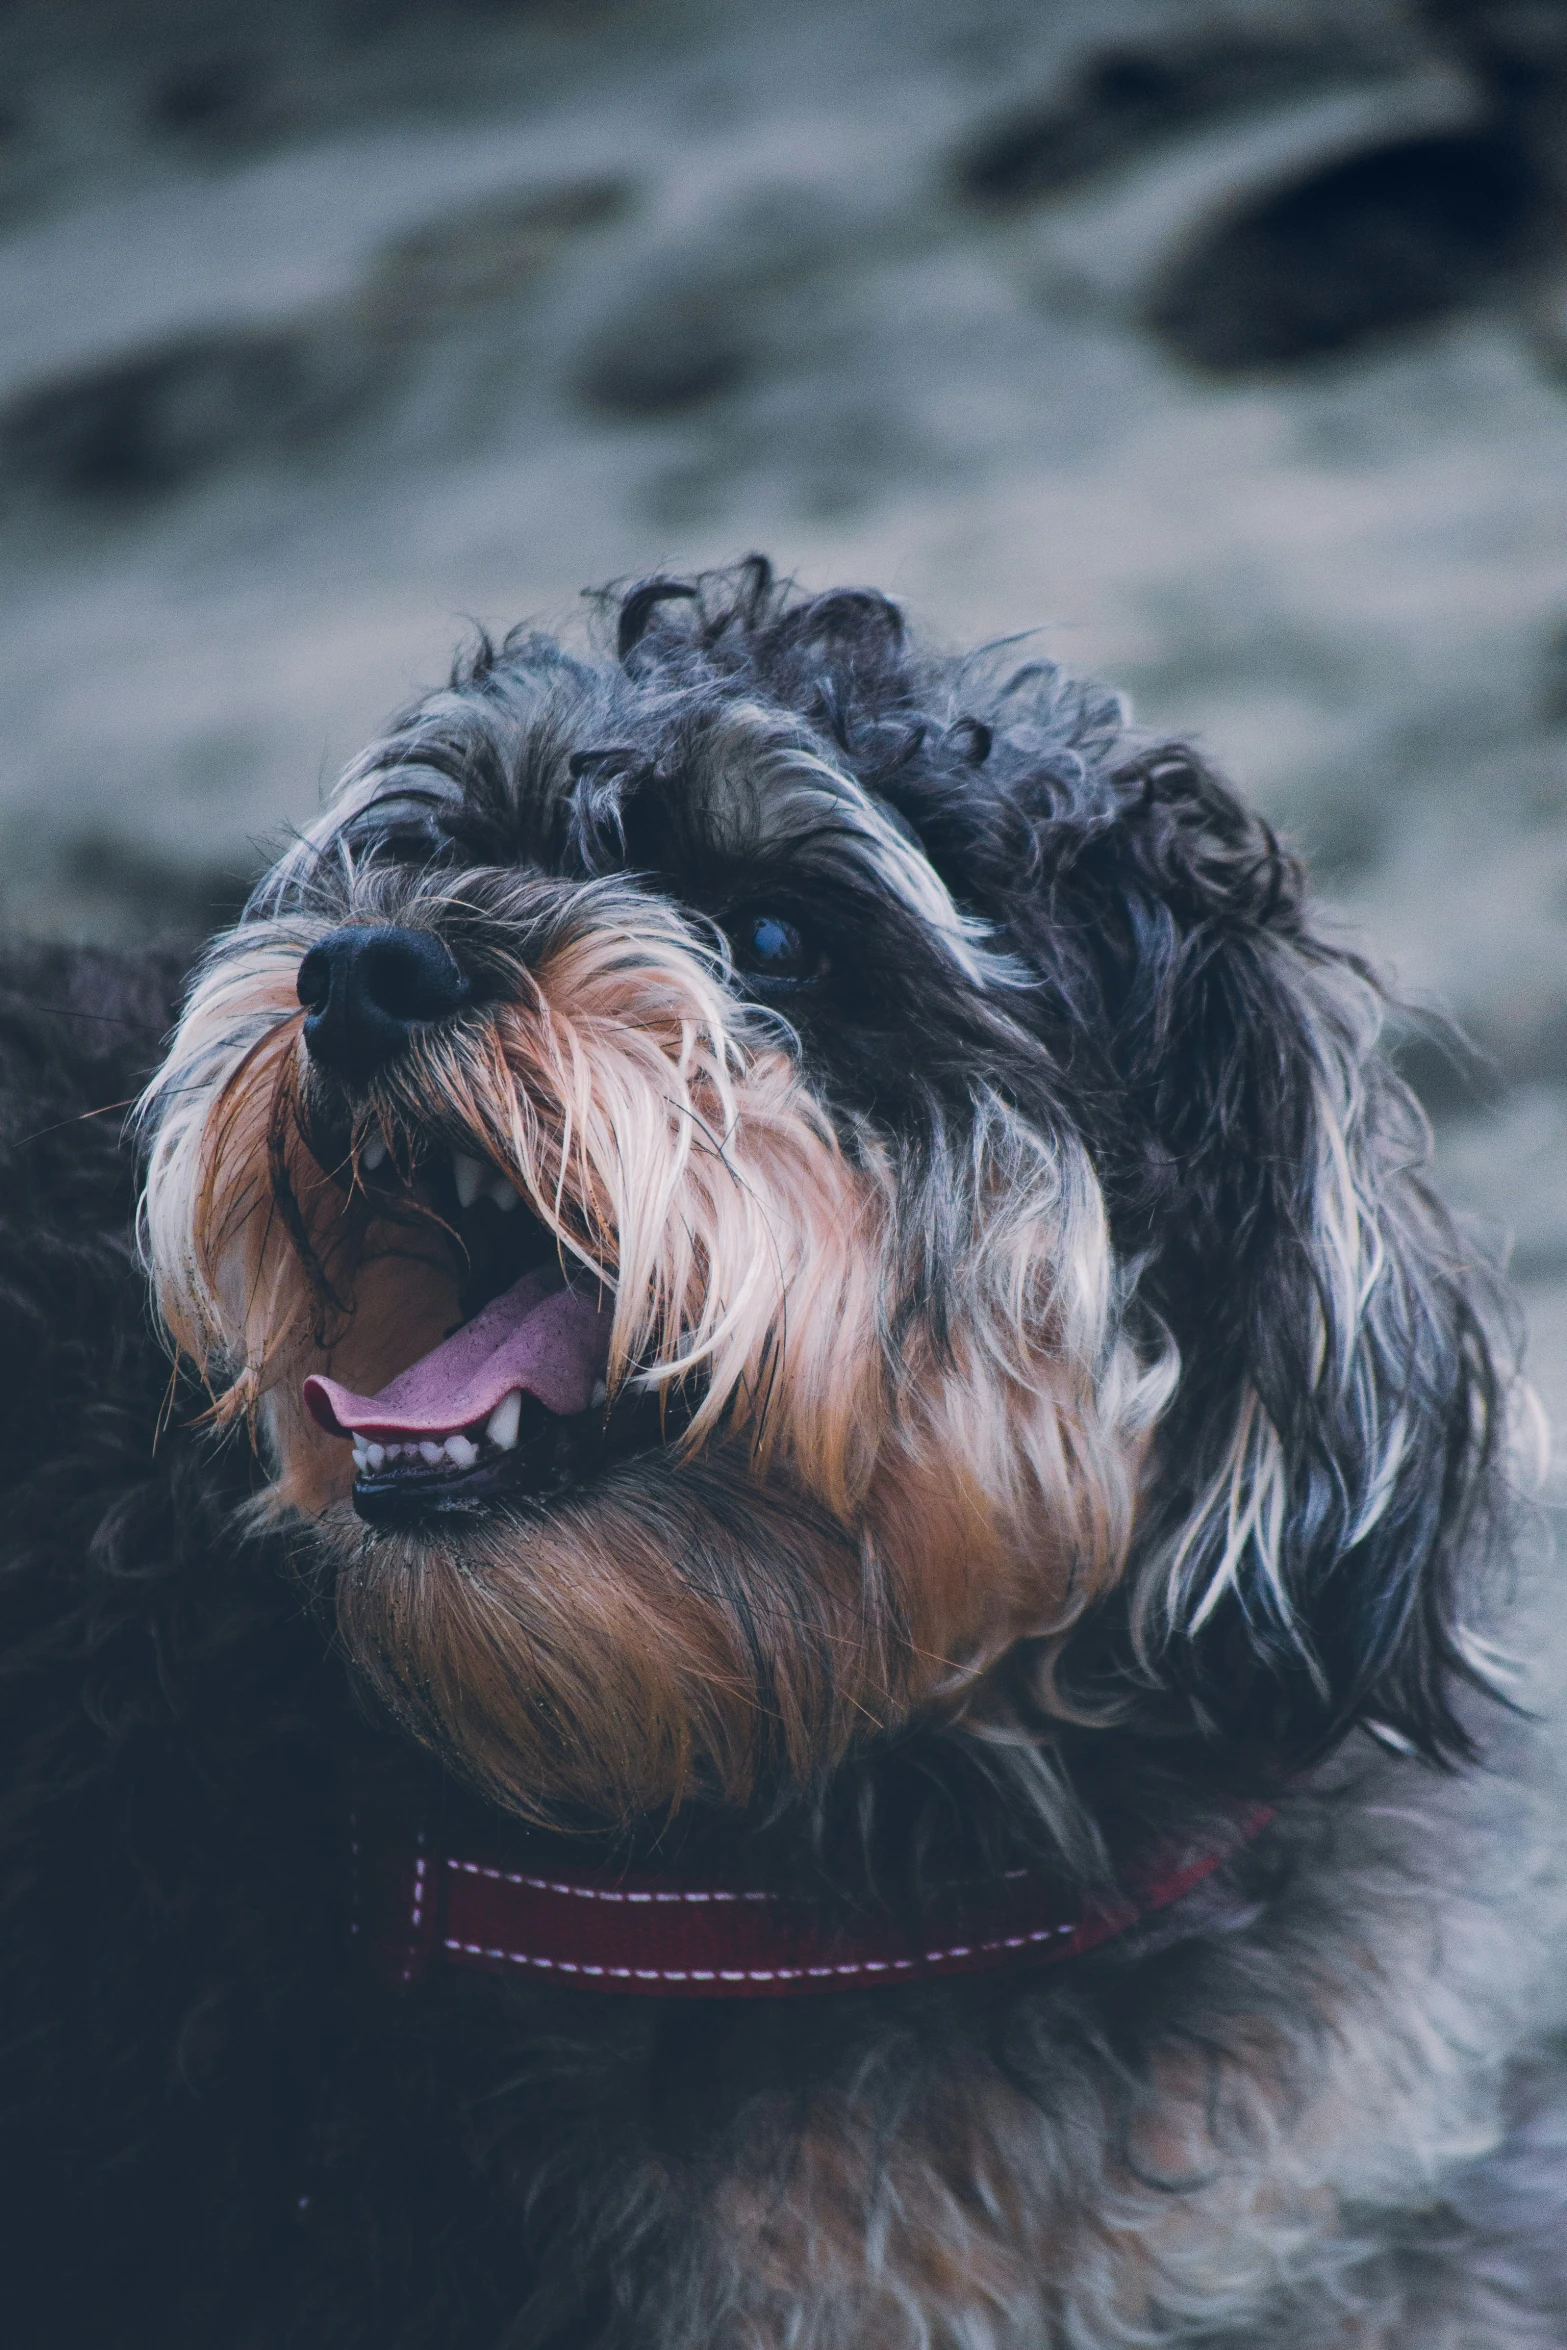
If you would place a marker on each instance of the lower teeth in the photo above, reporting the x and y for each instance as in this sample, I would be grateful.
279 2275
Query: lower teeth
452 1452
457 1451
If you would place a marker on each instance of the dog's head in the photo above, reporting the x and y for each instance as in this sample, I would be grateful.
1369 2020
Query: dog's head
763 1187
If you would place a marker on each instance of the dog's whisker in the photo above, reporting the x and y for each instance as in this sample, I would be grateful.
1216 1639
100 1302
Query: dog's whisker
80 1119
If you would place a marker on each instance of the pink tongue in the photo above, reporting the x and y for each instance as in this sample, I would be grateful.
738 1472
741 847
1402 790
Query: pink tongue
550 1341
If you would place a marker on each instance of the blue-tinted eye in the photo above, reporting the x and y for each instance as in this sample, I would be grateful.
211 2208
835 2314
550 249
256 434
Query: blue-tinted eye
769 948
774 943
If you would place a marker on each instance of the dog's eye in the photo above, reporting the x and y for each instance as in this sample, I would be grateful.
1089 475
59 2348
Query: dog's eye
767 947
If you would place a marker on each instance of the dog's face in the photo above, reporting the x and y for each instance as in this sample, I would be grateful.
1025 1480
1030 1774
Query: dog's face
741 1186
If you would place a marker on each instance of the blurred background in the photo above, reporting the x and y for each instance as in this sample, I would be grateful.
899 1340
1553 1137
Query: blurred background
1225 346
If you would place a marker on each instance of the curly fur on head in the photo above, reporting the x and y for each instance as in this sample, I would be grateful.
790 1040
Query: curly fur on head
1037 1279
1040 1397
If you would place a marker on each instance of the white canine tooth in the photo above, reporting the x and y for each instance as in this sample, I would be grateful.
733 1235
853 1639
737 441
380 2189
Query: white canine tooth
470 1175
361 1455
501 1426
433 1453
461 1451
600 1393
375 1454
505 1195
373 1155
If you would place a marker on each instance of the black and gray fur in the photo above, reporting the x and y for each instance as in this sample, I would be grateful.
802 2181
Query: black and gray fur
1316 2105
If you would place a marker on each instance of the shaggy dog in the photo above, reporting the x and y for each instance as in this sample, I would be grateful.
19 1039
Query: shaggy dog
836 1701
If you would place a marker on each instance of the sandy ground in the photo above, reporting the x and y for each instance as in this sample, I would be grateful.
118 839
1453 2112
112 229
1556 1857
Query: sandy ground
1224 349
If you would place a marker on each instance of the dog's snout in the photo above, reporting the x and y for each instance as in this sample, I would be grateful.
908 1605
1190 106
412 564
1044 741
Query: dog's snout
367 987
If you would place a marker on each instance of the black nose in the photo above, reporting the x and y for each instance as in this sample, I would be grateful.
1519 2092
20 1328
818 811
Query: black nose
367 987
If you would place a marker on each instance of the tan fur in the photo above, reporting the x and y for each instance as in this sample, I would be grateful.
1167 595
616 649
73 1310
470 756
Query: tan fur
979 1486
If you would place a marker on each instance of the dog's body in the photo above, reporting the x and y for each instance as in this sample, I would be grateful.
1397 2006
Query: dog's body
1039 1411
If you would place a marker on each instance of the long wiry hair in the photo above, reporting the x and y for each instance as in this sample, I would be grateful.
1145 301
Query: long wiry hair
1049 1316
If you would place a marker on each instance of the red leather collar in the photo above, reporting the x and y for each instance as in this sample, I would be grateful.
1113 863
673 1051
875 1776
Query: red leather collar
658 1937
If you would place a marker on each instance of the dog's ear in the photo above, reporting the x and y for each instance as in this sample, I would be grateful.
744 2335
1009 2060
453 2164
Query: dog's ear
1334 1432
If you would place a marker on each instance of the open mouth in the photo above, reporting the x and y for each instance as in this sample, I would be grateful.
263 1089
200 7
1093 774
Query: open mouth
513 1402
